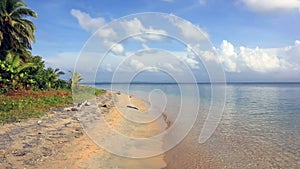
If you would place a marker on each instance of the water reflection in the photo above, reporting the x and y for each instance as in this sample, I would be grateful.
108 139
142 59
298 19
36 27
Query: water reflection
259 129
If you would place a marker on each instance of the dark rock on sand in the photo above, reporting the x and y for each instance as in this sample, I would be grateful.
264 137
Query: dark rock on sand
104 106
20 152
132 107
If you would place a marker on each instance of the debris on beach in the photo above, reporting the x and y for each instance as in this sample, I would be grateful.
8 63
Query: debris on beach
78 106
132 107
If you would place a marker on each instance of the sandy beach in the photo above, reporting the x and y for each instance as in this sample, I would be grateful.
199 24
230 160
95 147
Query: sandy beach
58 140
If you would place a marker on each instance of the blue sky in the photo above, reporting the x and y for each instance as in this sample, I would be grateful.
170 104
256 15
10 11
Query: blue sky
255 40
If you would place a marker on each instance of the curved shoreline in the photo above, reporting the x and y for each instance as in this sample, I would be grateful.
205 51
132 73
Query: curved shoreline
58 140
124 104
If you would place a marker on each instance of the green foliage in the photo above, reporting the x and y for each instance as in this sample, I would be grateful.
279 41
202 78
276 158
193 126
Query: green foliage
24 104
75 79
13 71
16 31
99 92
32 104
16 74
82 93
18 68
41 78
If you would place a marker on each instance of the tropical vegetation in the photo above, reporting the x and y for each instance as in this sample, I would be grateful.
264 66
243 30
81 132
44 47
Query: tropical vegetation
27 87
18 68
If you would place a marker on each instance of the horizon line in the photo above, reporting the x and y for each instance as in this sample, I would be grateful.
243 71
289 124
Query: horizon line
99 83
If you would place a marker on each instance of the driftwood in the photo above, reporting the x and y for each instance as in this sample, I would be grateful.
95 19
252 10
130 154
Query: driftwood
132 107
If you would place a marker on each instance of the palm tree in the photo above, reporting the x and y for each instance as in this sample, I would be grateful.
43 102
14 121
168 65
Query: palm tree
16 31
53 76
76 78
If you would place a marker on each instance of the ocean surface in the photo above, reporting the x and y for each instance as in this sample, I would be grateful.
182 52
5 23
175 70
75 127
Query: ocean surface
259 126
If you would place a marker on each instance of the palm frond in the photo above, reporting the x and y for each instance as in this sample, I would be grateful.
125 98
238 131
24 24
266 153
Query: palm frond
23 12
17 32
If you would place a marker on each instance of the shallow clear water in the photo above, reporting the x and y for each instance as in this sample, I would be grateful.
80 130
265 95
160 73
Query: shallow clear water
260 125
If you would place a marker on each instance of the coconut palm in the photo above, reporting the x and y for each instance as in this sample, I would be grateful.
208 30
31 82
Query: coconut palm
16 31
75 79
52 76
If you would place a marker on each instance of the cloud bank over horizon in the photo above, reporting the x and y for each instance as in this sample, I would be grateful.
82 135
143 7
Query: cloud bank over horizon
239 61
263 60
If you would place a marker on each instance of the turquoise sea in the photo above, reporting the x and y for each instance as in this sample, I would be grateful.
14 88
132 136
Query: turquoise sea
259 127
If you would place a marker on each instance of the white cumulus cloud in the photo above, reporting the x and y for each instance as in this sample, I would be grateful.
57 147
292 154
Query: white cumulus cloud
93 25
135 26
239 59
259 60
272 5
86 21
111 34
116 48
136 64
188 31
228 56
244 59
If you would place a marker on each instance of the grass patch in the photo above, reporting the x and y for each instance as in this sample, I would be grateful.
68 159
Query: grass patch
83 93
24 104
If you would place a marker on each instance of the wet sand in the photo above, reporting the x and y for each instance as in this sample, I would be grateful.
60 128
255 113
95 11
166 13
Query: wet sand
116 120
